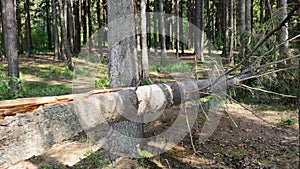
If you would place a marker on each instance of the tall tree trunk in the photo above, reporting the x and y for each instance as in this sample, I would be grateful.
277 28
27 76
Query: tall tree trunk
191 18
168 23
148 10
83 20
104 13
90 25
123 71
156 25
10 41
100 31
224 27
181 30
242 20
70 24
162 32
48 23
28 28
65 43
177 27
232 31
77 36
248 16
199 32
283 34
55 31
19 24
145 62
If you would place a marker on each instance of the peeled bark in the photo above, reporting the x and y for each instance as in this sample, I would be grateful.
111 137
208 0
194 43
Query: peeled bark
29 134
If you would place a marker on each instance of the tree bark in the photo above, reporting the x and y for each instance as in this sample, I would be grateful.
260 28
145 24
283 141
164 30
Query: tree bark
19 24
10 42
74 117
55 31
177 27
123 70
181 30
90 25
145 62
77 36
162 32
28 28
248 16
48 23
232 32
65 43
70 25
83 20
283 34
199 32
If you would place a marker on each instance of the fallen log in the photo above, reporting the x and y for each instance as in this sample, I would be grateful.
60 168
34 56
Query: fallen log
24 135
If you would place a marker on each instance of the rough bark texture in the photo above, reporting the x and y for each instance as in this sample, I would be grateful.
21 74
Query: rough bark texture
19 24
199 25
145 62
77 27
48 23
283 34
55 30
29 134
28 28
123 72
162 32
10 41
65 43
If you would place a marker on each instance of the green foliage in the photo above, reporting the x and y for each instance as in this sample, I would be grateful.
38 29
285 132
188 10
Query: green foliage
39 39
145 154
287 121
103 82
55 165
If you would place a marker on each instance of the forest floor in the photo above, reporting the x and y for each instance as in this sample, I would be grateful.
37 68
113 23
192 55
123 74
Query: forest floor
253 143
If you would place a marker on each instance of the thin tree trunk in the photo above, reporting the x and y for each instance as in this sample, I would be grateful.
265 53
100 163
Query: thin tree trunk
55 31
283 34
10 42
224 28
232 32
70 24
148 10
65 43
48 23
168 23
248 16
19 24
100 32
191 12
77 37
28 28
177 27
83 20
181 30
145 62
162 32
156 25
123 71
242 15
199 32
90 26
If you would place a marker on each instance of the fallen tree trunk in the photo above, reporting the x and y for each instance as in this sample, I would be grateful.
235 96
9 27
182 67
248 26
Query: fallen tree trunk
24 135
